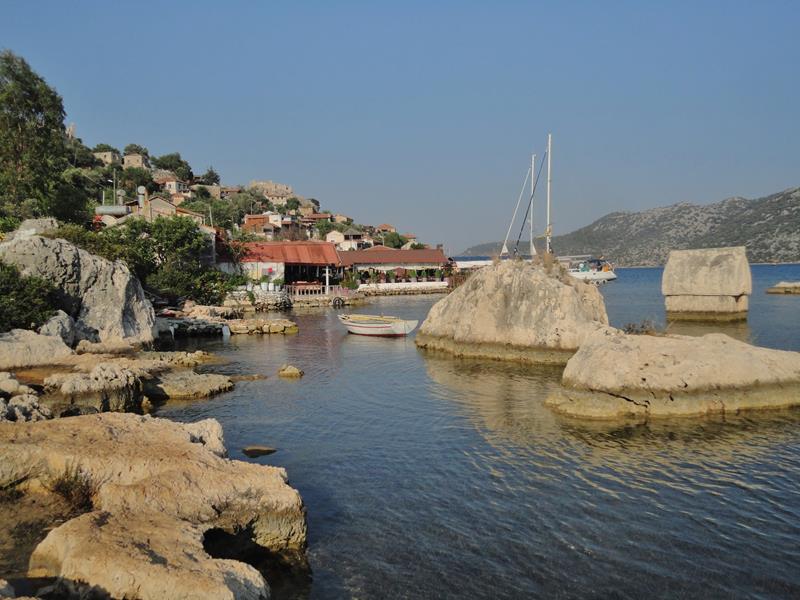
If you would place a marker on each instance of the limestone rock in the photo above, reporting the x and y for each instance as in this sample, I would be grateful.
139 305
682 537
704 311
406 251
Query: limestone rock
157 492
61 325
186 384
107 387
255 450
106 347
707 272
23 348
617 375
105 299
785 287
153 558
23 408
290 372
515 311
30 227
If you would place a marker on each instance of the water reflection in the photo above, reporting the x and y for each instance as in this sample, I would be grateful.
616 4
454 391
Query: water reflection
738 330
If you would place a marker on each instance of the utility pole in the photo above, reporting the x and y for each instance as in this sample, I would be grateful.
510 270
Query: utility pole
549 230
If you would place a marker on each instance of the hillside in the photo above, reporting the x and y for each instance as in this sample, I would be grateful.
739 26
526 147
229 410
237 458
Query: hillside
769 227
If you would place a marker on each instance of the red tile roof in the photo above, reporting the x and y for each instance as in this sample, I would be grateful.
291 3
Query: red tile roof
297 253
378 255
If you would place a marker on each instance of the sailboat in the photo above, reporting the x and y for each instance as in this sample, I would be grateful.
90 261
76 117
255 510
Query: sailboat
586 268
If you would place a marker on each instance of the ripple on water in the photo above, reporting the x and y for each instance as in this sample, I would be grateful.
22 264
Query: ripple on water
431 477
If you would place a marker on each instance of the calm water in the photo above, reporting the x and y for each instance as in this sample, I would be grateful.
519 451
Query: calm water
432 477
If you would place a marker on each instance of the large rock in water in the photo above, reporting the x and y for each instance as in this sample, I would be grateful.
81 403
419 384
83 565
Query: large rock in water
515 311
106 301
159 488
615 375
707 284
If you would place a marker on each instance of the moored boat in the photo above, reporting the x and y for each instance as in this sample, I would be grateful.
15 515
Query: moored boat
588 268
378 326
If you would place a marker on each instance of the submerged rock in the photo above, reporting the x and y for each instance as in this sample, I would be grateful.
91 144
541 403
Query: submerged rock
24 348
515 311
159 487
707 284
616 375
254 451
290 372
105 299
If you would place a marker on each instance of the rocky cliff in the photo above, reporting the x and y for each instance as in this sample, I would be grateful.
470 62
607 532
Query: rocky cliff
769 227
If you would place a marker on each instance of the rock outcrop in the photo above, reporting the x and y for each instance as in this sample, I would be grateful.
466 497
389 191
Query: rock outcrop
184 384
60 325
615 375
515 311
106 301
24 348
19 403
159 488
290 372
785 287
107 387
707 284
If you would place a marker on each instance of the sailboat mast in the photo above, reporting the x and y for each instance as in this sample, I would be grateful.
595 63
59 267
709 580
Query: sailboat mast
548 231
533 170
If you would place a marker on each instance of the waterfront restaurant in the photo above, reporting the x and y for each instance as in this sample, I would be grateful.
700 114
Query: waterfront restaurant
293 262
383 260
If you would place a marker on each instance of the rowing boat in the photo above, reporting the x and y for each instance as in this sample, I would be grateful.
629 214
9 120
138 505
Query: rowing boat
379 326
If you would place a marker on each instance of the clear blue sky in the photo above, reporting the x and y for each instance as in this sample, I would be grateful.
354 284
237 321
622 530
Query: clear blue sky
423 114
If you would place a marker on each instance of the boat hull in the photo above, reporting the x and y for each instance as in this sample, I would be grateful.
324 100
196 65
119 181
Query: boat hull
379 327
594 276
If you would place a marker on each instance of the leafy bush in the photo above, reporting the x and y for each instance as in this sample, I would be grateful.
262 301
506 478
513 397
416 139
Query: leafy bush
646 327
25 302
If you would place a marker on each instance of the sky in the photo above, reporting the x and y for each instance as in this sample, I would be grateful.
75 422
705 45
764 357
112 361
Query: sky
425 114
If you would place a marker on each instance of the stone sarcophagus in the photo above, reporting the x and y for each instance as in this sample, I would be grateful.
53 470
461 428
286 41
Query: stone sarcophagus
712 284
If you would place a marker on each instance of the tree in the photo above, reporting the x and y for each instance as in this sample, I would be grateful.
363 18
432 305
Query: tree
417 246
222 213
133 177
394 240
104 148
292 204
173 162
323 228
25 302
33 151
210 177
80 155
135 149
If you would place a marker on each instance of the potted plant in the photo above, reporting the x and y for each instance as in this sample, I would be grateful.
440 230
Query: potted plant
278 284
265 283
412 274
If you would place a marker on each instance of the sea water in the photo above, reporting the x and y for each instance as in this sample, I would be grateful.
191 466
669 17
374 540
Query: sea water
431 477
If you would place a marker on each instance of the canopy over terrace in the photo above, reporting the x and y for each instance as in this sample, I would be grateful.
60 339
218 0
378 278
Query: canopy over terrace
292 261
381 258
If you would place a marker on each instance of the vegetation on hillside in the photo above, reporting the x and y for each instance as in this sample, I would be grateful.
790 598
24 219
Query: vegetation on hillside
25 302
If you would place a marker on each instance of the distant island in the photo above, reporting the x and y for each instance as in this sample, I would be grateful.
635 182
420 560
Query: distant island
769 227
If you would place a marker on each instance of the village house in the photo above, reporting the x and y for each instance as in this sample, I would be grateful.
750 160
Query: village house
260 225
108 158
229 190
298 263
138 161
382 259
343 219
350 239
385 228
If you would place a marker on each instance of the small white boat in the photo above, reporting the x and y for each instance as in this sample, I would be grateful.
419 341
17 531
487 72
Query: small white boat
588 268
379 326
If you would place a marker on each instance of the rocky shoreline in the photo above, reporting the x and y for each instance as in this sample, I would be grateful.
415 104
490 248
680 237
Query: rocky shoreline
99 498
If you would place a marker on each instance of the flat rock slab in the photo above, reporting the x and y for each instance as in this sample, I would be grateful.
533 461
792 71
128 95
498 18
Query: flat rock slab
184 384
616 375
160 486
21 348
515 311
785 287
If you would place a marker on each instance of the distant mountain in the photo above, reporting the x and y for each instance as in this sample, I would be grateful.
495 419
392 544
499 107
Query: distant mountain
769 227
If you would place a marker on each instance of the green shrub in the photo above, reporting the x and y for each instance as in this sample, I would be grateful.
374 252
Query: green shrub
25 302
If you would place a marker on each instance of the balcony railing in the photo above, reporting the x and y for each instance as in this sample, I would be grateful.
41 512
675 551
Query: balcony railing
303 290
